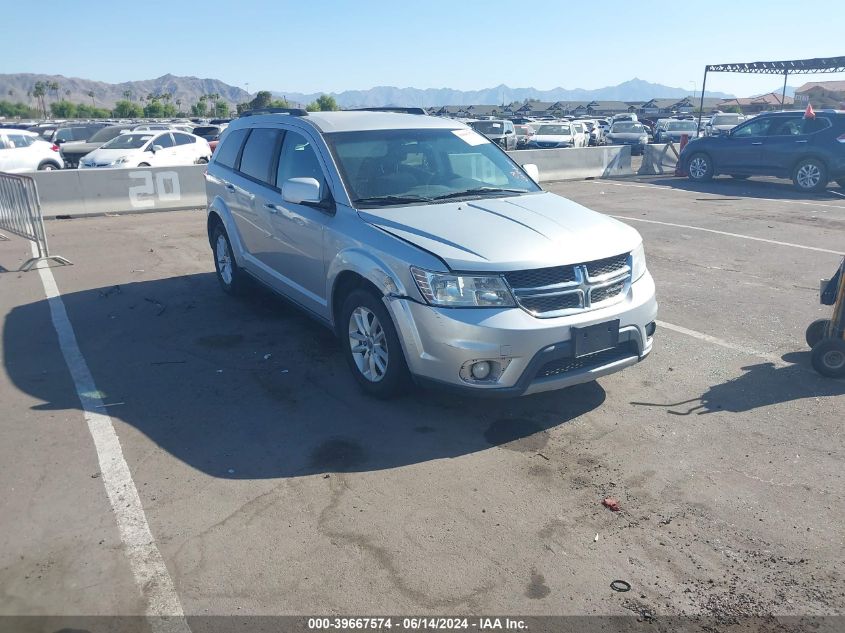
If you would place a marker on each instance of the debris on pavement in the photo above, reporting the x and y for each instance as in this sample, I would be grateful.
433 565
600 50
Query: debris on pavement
620 585
611 504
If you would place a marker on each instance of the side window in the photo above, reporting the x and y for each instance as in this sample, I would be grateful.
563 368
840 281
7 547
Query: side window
816 124
165 140
758 127
298 160
183 139
227 152
259 155
19 140
3 143
789 126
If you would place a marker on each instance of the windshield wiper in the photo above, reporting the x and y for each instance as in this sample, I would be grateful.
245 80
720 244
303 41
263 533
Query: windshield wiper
478 191
385 200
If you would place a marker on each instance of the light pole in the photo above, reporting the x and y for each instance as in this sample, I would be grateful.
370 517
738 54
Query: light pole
694 88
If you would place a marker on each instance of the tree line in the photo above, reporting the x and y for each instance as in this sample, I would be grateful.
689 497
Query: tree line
151 106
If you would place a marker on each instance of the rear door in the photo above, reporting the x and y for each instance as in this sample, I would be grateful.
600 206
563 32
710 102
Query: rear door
186 148
741 151
787 138
168 155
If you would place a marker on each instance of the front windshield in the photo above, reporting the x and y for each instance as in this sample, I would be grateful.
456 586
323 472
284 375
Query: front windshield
128 141
627 127
555 130
384 167
682 126
725 119
488 127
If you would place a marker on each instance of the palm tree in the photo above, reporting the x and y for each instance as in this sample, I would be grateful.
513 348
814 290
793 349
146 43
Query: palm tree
127 94
67 94
38 91
91 94
11 93
179 104
54 86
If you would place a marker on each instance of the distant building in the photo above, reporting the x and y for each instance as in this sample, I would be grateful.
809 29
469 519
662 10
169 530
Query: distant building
666 107
821 94
753 105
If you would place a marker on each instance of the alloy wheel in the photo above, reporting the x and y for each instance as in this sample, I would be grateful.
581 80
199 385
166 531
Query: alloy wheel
224 261
808 176
698 167
368 344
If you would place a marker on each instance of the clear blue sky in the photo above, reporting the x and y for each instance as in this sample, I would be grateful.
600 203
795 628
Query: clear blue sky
329 45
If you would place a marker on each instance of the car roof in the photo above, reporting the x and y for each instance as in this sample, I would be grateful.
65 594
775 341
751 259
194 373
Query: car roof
352 121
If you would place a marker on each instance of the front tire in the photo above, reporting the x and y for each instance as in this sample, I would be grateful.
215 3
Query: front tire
829 357
230 276
700 167
810 175
816 331
143 164
371 345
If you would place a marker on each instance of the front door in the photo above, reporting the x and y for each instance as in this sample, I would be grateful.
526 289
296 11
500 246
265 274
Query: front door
741 151
296 253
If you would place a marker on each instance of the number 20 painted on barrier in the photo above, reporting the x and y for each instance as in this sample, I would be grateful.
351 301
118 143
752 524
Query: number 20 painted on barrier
165 187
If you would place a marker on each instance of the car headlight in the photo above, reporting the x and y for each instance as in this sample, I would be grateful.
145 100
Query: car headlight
638 266
462 291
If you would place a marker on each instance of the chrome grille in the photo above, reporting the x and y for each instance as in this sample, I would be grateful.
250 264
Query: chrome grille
560 290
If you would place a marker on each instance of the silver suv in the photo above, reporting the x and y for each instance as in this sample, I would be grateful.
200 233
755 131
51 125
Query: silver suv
429 252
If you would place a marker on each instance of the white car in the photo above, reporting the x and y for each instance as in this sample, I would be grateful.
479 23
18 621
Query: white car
149 149
555 134
581 134
27 151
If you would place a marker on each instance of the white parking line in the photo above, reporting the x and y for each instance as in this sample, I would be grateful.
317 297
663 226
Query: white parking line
737 235
777 362
674 190
151 575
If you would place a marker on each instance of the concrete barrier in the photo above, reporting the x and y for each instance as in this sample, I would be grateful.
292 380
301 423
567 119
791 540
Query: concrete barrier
659 159
578 163
81 192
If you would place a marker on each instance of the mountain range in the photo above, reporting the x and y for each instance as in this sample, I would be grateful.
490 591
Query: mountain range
632 90
188 90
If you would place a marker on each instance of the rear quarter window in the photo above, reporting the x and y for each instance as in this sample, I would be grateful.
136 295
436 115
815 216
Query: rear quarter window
230 147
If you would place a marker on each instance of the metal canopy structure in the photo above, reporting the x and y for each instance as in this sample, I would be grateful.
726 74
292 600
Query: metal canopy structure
818 65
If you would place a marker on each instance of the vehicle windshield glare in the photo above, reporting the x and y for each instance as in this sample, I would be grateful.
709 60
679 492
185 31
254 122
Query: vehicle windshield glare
555 130
487 127
725 119
682 126
627 127
128 141
385 167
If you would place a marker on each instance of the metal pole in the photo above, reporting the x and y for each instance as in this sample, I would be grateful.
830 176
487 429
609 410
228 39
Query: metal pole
783 96
701 106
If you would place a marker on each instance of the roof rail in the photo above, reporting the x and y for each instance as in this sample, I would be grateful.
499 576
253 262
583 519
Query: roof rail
399 110
290 111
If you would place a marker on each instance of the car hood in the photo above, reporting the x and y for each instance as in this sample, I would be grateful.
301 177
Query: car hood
107 155
678 133
627 136
503 234
552 138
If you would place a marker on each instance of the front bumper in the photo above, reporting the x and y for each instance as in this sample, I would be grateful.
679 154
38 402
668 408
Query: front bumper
535 354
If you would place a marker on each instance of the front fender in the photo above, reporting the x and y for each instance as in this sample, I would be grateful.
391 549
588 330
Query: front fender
369 266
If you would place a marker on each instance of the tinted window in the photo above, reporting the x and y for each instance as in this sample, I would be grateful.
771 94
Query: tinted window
816 124
790 126
165 140
3 144
755 128
227 153
183 139
258 158
20 140
298 160
106 134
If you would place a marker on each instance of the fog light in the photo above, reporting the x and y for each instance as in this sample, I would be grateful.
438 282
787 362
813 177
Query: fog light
480 370
650 329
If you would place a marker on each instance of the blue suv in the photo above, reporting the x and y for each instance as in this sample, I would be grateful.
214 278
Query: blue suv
810 151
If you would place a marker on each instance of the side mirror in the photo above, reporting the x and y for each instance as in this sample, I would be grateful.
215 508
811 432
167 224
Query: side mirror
156 148
301 190
508 131
533 172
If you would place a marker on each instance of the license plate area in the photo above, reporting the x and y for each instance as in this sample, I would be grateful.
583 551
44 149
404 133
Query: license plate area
595 338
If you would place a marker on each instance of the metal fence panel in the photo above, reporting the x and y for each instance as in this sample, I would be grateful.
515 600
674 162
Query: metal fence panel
20 214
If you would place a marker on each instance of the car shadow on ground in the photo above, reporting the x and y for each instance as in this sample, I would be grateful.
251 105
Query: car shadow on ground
768 188
759 386
251 388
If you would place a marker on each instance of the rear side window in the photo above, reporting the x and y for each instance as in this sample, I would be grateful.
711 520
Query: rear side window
183 139
816 124
165 140
20 140
3 143
227 153
259 155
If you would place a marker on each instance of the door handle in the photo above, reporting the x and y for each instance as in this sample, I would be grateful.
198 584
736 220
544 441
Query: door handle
271 207
804 141
230 187
757 143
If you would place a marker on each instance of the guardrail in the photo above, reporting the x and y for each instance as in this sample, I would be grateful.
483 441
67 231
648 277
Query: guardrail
659 159
578 163
20 214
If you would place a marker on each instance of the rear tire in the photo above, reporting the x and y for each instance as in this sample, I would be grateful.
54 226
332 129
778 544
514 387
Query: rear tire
816 331
810 175
829 357
700 167
371 345
202 161
143 164
230 276
48 165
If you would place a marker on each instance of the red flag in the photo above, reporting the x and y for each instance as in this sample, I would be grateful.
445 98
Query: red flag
809 113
